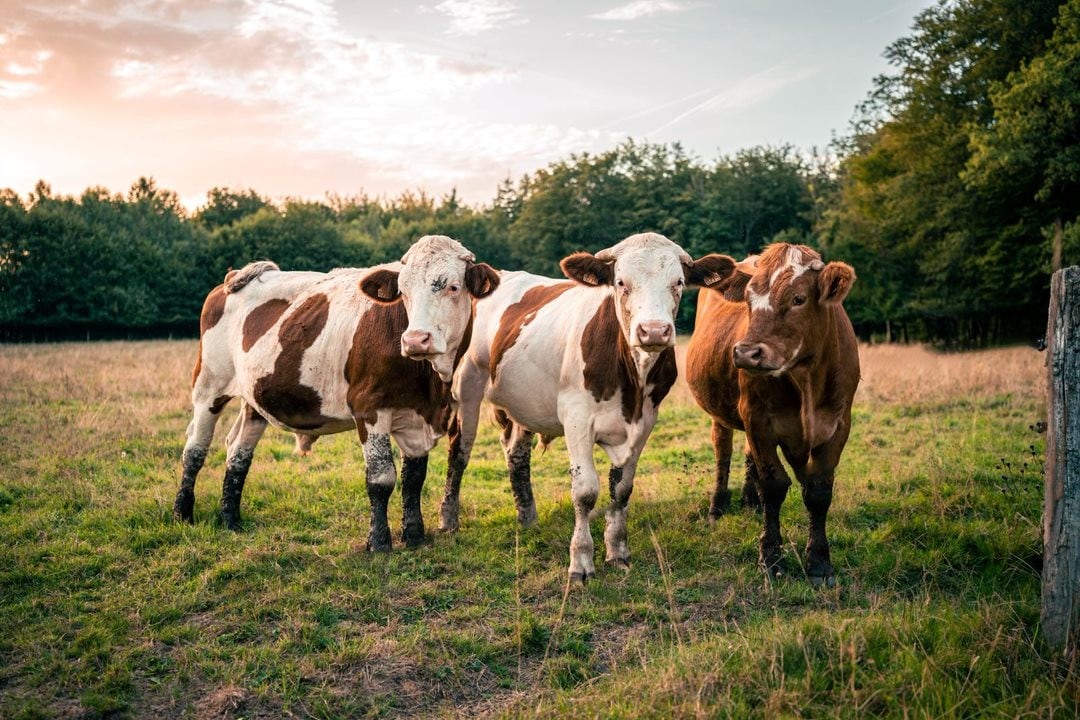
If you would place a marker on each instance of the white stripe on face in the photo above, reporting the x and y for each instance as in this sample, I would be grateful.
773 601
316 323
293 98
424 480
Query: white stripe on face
795 261
759 301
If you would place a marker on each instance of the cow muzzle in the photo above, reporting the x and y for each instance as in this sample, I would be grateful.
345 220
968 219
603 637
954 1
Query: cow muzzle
417 344
655 336
753 357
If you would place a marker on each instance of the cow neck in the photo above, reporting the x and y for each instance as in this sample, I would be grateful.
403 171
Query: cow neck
811 378
627 372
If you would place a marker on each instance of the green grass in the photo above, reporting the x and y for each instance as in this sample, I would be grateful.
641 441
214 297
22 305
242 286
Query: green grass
111 609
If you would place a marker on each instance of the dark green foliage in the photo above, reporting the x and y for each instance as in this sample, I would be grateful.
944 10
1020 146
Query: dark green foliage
960 162
111 264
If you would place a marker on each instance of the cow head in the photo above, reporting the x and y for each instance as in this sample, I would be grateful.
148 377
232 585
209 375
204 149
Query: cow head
790 294
437 281
648 273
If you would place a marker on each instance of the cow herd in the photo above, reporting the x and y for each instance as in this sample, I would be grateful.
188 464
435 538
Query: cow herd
408 350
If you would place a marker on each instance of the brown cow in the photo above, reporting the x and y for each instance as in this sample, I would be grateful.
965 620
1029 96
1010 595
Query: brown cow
775 355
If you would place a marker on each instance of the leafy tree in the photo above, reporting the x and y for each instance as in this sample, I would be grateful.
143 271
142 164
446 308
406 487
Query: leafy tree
1030 151
225 207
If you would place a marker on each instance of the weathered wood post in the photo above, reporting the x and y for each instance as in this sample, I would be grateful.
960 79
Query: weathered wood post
1061 511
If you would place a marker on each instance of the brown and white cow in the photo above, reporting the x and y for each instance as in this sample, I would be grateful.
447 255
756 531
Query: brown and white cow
589 359
371 350
775 355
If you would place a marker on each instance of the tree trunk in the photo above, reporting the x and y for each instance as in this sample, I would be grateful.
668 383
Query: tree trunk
1061 510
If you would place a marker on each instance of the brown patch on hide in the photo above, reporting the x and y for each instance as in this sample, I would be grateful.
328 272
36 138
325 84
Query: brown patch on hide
380 378
261 319
280 393
609 365
520 314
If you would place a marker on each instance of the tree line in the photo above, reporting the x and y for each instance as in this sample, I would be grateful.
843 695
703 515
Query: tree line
954 194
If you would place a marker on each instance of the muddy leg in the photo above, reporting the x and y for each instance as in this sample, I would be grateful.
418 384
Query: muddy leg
381 477
241 451
200 433
584 488
621 485
413 473
517 448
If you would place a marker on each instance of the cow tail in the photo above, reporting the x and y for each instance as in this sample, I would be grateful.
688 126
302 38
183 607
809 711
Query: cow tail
237 280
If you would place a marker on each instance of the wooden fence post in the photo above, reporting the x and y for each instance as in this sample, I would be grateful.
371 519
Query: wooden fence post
1061 510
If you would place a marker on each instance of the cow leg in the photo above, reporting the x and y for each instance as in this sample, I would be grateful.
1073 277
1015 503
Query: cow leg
772 483
469 388
817 491
413 473
721 499
621 485
381 477
816 479
241 451
517 448
584 488
750 498
304 443
200 432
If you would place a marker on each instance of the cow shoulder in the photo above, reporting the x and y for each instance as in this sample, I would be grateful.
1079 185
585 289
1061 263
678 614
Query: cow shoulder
520 314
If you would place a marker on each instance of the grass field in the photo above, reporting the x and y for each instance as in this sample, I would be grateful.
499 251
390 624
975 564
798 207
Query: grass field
109 608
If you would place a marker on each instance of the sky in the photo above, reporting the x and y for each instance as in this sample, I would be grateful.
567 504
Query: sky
301 98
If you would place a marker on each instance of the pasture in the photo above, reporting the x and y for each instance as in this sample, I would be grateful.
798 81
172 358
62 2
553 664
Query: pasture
109 608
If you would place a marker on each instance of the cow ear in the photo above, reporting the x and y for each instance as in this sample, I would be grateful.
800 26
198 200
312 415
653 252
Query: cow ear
835 281
708 271
587 270
381 286
481 279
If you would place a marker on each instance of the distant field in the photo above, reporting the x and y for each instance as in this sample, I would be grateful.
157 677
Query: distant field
110 609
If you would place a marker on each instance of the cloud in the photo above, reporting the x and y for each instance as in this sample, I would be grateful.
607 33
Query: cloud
642 8
472 17
272 94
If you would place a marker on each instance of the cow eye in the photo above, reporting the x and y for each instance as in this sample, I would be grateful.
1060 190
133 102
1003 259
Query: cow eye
454 288
620 283
680 282
798 300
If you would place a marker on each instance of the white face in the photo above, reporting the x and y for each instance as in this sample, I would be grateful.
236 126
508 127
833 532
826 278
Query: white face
648 285
432 286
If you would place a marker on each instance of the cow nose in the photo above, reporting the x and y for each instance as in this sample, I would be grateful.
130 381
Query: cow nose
416 342
655 333
748 355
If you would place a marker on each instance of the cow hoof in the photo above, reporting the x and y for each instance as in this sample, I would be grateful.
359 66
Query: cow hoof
527 517
619 563
823 581
413 538
580 578
184 508
379 541
448 518
231 522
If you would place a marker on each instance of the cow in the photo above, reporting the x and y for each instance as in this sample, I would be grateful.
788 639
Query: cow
589 359
774 354
371 350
